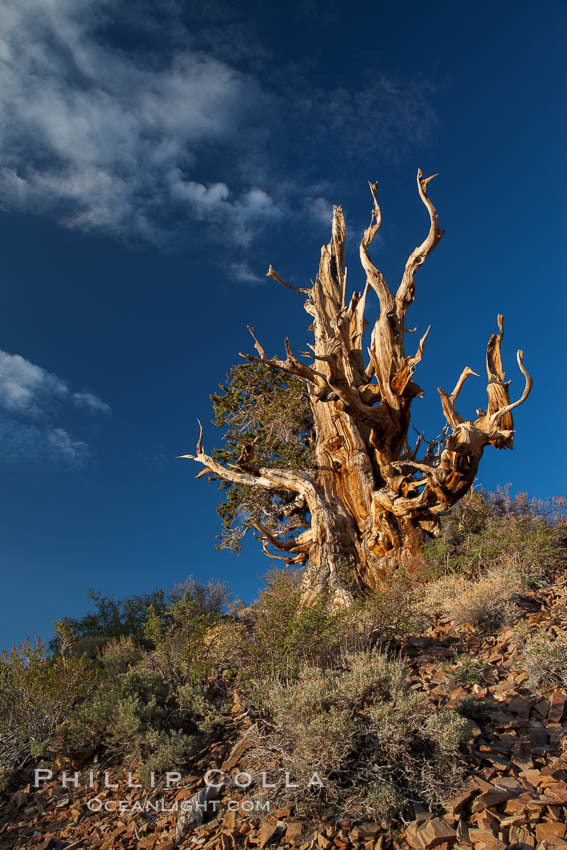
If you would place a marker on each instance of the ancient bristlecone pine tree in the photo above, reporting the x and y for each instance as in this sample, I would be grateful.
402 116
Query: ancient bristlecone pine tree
368 503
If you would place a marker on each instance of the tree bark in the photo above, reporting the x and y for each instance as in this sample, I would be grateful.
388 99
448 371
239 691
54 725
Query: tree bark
371 504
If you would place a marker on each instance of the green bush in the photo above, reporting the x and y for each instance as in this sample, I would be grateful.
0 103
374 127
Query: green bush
485 530
128 617
111 618
464 670
282 636
150 705
37 693
186 636
372 740
134 713
378 618
140 697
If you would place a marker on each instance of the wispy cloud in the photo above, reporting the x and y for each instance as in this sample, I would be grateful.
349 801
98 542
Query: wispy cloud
31 400
320 210
104 142
382 117
91 402
24 442
110 138
239 217
27 388
243 273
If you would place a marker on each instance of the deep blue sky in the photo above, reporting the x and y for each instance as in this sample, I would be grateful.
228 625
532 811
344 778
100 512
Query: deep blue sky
156 157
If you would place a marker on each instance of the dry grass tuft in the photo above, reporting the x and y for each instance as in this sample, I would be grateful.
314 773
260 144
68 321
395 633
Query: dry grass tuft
488 603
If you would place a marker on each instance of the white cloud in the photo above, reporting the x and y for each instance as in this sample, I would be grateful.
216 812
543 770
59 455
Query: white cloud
24 442
320 209
119 140
25 387
28 392
243 272
240 217
91 135
63 446
90 402
204 199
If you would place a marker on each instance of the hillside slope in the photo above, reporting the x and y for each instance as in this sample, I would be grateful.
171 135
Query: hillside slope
514 793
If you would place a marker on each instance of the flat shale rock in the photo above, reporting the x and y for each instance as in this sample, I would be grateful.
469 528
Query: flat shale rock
491 798
431 833
485 839
269 832
293 832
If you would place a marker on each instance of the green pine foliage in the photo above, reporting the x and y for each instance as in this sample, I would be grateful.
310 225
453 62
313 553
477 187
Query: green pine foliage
260 404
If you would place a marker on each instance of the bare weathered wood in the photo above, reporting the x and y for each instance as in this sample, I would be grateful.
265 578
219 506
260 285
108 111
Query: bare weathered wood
370 500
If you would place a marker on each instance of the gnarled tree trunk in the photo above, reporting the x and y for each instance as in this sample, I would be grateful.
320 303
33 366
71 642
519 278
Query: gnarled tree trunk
369 502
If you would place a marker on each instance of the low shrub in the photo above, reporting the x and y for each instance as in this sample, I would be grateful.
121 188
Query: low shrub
378 618
111 619
488 603
37 693
116 618
464 670
134 714
487 530
185 636
139 697
476 709
371 740
6 777
282 637
544 661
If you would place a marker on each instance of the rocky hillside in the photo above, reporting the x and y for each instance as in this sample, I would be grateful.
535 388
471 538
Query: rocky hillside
499 684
